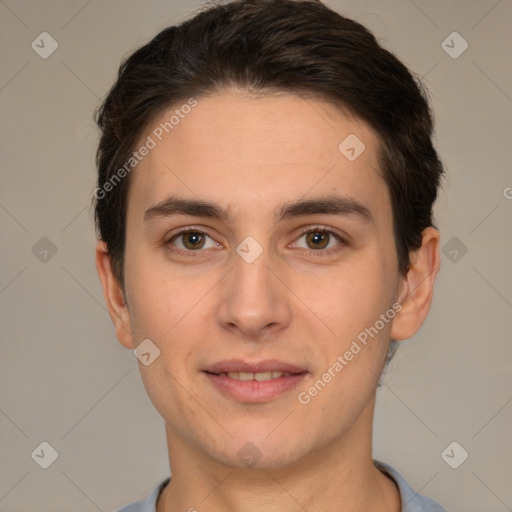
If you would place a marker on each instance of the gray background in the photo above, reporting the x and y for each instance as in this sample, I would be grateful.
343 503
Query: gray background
67 381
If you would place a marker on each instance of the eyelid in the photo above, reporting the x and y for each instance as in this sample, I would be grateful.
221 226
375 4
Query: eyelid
183 231
342 239
322 228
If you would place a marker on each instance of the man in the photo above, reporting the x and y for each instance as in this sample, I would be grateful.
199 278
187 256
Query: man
264 208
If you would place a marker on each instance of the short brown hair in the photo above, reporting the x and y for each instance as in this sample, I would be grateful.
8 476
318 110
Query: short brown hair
267 46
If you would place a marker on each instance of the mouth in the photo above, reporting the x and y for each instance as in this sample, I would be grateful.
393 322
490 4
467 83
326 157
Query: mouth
254 382
259 376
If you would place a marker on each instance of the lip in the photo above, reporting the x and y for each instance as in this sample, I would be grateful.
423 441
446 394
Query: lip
253 391
238 365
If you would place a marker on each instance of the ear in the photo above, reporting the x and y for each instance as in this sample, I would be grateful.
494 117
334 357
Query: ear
114 297
417 287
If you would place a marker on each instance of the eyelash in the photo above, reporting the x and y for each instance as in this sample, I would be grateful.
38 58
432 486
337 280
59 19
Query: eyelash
304 231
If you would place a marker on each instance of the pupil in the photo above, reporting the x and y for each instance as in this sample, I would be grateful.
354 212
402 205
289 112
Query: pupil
193 239
318 238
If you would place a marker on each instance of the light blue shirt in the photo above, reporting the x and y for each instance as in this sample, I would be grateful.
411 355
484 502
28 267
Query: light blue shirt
411 500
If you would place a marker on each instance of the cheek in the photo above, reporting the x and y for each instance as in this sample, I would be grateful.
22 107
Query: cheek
350 357
350 304
152 301
349 296
172 309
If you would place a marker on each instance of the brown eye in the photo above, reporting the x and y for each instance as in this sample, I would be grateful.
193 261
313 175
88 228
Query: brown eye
190 240
193 240
318 240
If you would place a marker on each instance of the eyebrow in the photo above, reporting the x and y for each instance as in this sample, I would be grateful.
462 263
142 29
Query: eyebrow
330 205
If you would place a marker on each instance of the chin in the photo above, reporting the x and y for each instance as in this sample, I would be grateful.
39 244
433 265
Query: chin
260 451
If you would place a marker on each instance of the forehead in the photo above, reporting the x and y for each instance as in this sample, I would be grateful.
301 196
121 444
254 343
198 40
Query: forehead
250 153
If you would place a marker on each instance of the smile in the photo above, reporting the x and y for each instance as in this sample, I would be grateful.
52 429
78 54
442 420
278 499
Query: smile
260 376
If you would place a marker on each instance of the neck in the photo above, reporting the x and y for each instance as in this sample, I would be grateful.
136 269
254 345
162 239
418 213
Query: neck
341 472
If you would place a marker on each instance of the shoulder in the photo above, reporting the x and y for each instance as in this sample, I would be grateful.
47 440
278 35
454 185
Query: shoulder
411 500
149 504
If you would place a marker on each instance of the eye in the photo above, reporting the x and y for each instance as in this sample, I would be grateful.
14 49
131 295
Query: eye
319 239
191 240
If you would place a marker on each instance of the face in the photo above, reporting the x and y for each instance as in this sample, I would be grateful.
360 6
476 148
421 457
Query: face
260 308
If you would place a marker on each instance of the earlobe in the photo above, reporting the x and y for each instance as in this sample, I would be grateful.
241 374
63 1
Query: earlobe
418 286
114 297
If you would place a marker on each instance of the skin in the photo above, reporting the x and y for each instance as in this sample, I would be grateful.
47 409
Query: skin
251 154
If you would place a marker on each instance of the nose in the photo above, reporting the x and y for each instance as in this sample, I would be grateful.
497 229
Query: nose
254 301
